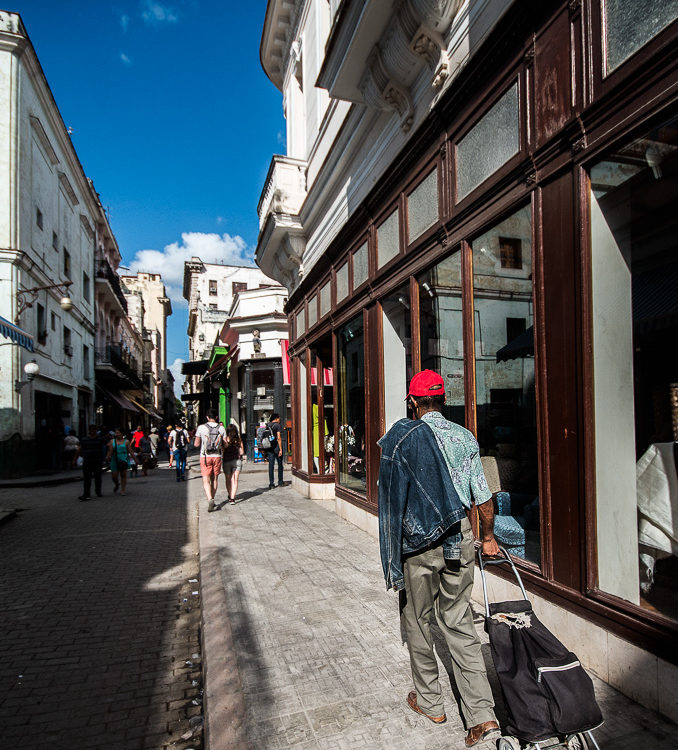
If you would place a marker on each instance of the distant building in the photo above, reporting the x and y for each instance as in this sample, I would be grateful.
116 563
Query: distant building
154 307
209 289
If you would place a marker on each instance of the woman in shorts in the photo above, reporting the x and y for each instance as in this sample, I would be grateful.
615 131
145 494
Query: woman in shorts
232 460
119 456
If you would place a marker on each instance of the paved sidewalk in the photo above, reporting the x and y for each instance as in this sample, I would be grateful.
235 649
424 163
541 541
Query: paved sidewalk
303 646
99 617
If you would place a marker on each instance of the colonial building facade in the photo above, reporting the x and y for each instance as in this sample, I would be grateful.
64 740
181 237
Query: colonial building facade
486 189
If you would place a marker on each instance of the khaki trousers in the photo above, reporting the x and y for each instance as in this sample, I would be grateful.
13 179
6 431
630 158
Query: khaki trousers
433 583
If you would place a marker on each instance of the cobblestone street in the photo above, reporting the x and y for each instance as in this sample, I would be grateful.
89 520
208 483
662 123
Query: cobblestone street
98 616
303 644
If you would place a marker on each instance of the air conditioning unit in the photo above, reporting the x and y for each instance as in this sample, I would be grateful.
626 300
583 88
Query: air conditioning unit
68 350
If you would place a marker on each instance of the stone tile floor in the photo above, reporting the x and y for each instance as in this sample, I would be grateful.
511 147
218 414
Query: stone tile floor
317 639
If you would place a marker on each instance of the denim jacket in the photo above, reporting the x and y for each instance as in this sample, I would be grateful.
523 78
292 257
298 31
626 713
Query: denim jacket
418 504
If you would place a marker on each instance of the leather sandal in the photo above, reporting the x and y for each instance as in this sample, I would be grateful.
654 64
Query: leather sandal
412 703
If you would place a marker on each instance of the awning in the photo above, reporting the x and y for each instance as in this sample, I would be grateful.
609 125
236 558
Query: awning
218 364
10 331
143 408
120 400
522 346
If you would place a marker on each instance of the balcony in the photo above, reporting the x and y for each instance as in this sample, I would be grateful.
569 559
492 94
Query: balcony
281 235
118 362
284 190
104 272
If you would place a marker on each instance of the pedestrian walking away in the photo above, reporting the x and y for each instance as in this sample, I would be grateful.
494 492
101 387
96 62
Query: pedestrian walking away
429 476
168 446
178 445
119 455
209 437
232 460
268 438
92 449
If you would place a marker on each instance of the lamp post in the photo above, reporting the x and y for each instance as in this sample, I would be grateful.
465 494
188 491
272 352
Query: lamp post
26 297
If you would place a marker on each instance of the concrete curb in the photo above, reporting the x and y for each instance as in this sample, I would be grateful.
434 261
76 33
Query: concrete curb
224 705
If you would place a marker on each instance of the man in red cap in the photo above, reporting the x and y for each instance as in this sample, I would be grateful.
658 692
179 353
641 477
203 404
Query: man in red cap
430 475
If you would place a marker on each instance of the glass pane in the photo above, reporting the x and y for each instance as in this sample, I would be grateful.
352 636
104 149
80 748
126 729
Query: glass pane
301 322
388 240
360 266
630 24
315 415
312 311
328 410
349 451
342 282
303 406
505 383
441 331
489 144
635 370
325 300
397 333
422 207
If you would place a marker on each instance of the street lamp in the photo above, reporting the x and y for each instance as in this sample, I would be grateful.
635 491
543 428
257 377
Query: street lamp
26 297
31 369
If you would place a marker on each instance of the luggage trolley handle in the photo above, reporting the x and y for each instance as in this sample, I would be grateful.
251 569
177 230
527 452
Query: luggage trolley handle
497 562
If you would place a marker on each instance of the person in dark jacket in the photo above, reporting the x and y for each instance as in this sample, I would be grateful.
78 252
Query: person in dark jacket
429 472
92 449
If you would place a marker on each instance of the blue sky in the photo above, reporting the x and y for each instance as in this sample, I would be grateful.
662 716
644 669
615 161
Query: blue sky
172 117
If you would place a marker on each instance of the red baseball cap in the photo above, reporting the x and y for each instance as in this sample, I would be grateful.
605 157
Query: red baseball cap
426 383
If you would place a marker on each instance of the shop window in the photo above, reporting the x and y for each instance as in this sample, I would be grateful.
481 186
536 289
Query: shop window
342 282
511 252
506 411
635 369
489 144
325 299
441 331
422 207
397 347
301 322
360 266
322 411
213 288
388 240
349 446
313 311
631 24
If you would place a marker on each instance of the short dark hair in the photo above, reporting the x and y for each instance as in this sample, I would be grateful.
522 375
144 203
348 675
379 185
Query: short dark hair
431 402
211 413
93 427
274 416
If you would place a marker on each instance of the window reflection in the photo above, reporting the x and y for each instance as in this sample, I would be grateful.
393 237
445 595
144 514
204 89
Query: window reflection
441 331
349 442
505 379
635 329
322 406
397 337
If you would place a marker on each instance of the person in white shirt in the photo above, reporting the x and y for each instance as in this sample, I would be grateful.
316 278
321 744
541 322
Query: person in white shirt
209 437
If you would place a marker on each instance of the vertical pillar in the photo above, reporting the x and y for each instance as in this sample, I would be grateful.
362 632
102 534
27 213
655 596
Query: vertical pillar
250 427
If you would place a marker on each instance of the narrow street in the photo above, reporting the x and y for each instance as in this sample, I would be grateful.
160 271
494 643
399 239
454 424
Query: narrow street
302 647
99 617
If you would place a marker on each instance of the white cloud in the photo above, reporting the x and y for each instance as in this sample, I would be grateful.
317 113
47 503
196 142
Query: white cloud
175 369
210 248
155 13
126 60
124 21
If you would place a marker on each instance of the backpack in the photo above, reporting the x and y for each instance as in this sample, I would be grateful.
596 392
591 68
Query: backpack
265 437
180 439
213 446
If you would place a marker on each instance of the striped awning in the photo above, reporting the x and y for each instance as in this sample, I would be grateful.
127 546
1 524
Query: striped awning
10 331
